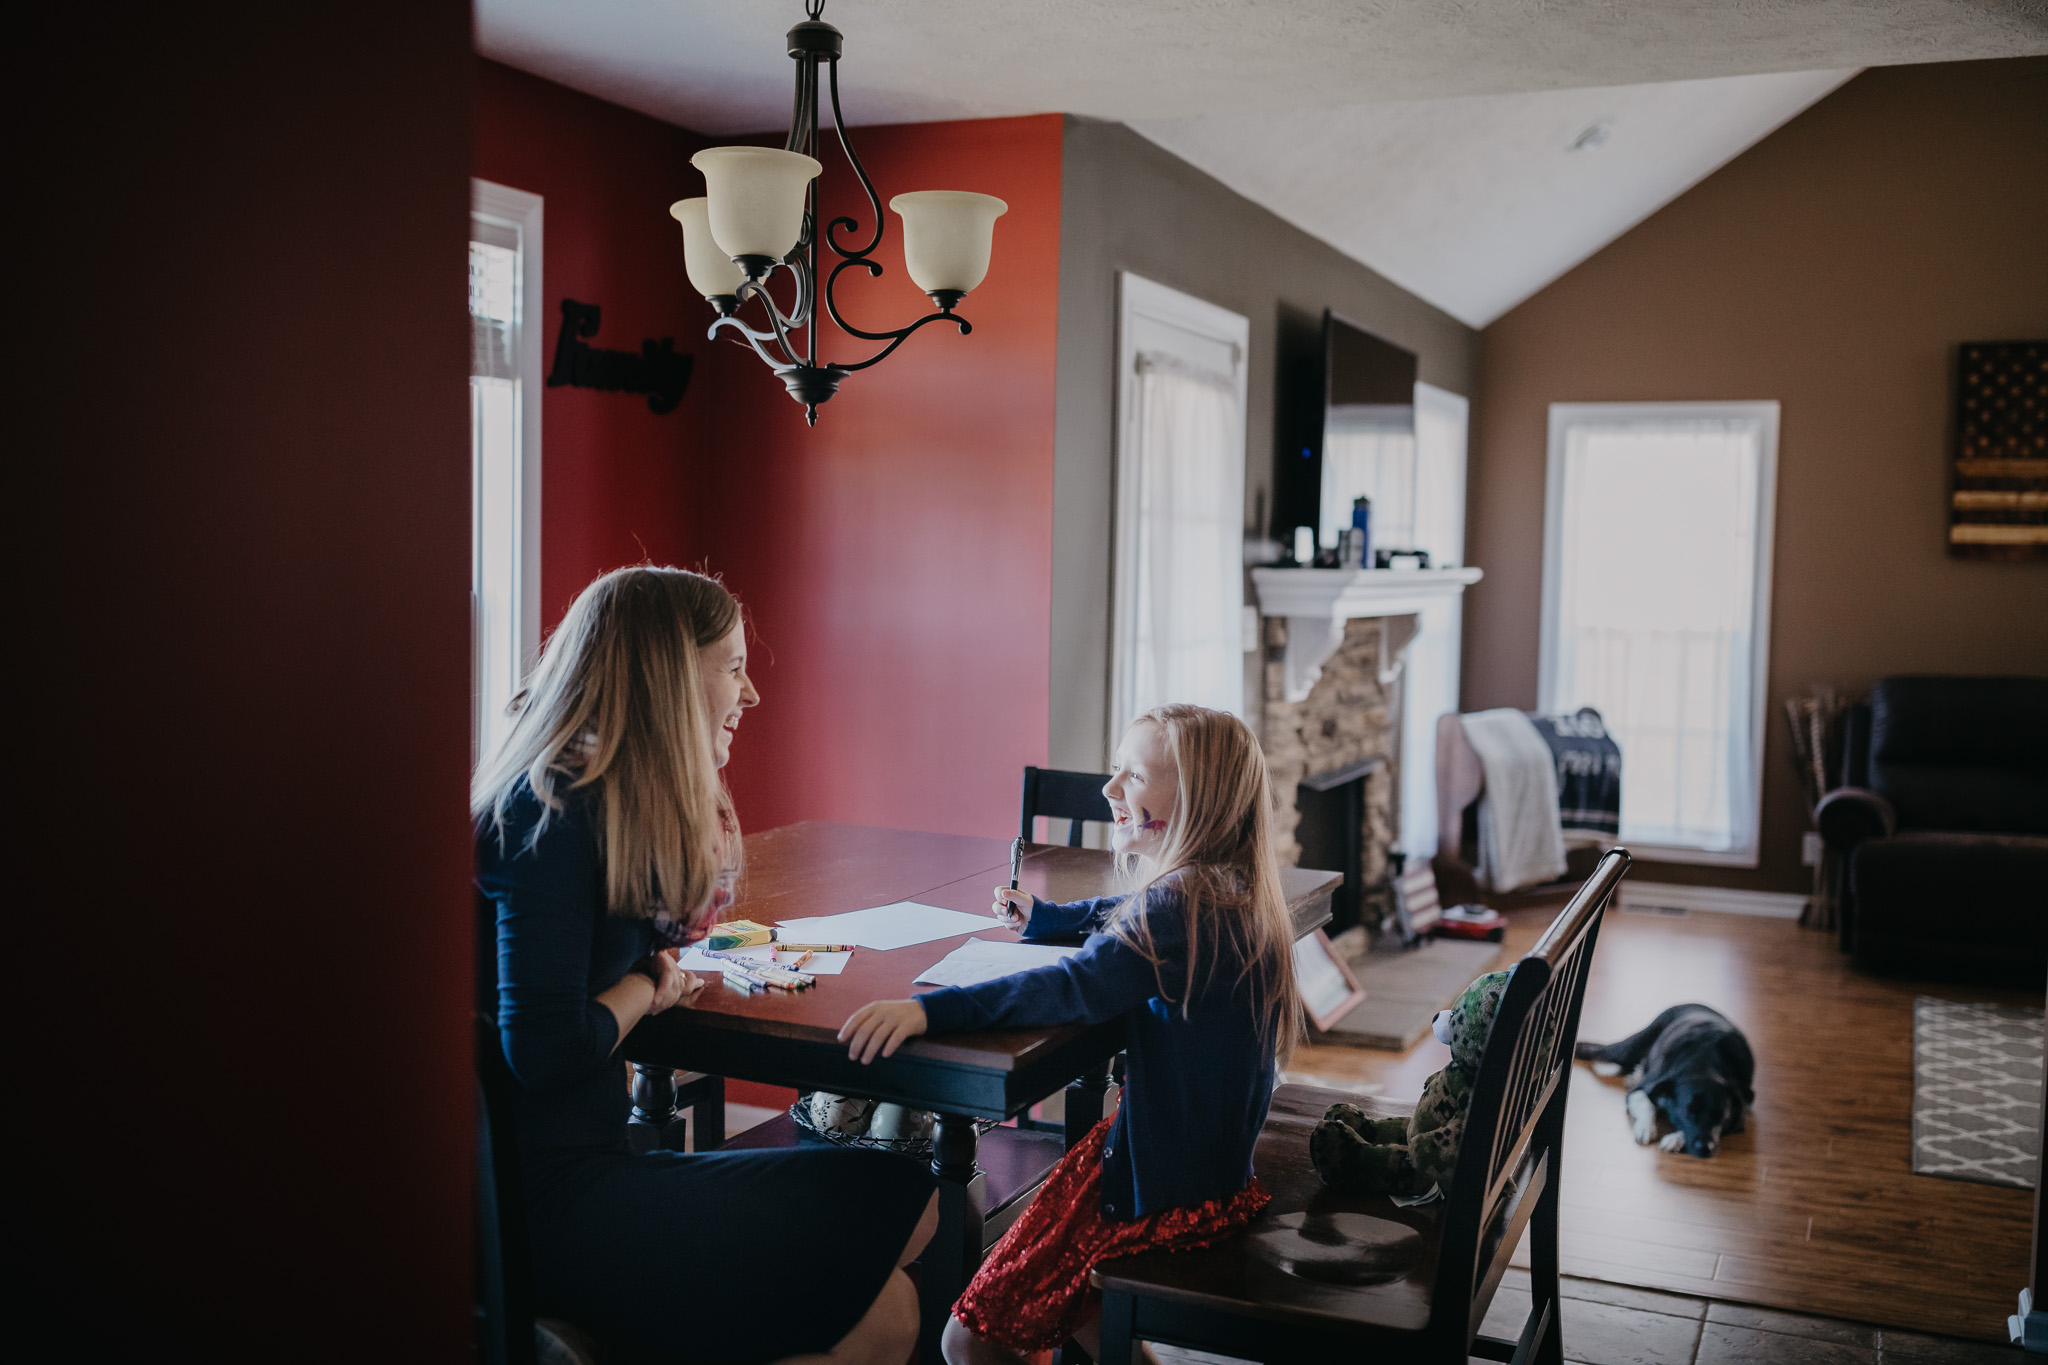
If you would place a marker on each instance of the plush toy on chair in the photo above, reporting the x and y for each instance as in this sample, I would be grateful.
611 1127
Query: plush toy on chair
1358 1154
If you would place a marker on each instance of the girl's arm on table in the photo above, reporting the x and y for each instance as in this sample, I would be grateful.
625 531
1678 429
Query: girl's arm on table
1106 978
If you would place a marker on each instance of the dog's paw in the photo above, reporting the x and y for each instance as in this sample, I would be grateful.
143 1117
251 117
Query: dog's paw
1673 1142
1607 1068
1642 1115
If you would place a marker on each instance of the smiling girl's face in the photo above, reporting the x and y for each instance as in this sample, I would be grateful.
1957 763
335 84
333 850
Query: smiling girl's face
1142 790
727 689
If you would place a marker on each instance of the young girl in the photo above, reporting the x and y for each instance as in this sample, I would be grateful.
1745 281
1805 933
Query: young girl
1199 960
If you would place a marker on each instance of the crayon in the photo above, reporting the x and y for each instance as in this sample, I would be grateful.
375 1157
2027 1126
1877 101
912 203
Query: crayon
741 981
807 956
815 947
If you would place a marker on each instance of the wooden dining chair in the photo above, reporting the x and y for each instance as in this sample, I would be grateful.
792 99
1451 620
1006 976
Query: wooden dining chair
1323 1276
1062 795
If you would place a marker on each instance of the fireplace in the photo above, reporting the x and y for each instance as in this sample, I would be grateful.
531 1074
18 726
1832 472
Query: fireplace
1356 667
1331 829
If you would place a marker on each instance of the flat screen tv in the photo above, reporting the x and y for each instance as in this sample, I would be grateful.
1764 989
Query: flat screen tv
1346 400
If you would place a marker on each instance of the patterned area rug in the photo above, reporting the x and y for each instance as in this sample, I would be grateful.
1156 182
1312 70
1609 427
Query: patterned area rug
1976 1092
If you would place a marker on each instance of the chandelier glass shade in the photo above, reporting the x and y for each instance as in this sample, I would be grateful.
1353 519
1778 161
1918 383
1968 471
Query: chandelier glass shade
758 218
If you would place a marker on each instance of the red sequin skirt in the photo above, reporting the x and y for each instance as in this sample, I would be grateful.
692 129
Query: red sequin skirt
1032 1291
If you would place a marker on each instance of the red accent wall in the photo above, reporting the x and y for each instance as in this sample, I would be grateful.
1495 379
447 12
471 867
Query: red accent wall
618 483
897 557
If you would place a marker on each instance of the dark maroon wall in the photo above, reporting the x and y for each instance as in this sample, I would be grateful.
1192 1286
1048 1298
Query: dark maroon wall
239 928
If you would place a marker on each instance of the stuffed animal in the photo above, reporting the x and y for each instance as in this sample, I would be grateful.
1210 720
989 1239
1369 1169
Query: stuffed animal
1359 1154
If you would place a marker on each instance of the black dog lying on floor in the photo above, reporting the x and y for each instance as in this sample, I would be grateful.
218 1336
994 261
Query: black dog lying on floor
1691 1065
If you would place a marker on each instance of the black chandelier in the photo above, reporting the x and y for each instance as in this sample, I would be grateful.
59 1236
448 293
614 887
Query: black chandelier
759 215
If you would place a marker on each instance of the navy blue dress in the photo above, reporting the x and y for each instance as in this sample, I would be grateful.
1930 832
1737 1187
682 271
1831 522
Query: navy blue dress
668 1251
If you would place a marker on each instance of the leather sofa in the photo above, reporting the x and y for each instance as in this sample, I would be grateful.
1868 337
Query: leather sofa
1942 820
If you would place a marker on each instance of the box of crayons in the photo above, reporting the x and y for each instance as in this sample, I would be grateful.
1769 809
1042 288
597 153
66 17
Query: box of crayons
738 933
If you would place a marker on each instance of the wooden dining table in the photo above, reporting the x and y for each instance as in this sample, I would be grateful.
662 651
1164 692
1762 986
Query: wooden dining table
791 1039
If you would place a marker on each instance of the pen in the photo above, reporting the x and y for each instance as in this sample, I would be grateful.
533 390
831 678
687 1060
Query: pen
815 947
1016 860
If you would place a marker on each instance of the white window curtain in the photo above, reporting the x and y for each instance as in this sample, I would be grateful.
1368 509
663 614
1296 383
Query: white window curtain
1657 570
504 407
1369 451
1186 556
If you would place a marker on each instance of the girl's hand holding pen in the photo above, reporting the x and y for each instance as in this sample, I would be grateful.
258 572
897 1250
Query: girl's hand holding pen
880 1027
1012 907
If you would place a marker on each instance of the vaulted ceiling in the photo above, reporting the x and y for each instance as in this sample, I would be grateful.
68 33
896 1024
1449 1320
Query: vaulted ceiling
1470 150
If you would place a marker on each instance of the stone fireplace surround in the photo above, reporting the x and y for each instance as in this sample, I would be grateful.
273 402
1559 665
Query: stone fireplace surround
1336 689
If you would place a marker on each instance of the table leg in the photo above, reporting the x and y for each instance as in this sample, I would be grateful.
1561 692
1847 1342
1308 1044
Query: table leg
652 1123
1085 1099
955 1250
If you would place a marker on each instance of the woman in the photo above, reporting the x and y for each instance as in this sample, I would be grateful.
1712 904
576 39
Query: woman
606 840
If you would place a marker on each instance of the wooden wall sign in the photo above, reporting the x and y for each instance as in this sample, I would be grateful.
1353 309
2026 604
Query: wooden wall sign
655 369
1998 503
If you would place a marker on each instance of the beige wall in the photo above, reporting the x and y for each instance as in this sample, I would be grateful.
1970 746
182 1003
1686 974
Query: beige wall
1129 204
1833 267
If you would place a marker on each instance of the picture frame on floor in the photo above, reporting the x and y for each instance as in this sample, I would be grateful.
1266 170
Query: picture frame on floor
1328 989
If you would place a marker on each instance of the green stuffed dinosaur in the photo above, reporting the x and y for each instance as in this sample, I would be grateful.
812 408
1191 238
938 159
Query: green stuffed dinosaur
1359 1154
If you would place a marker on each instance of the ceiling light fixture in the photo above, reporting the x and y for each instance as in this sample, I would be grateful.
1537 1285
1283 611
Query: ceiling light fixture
759 215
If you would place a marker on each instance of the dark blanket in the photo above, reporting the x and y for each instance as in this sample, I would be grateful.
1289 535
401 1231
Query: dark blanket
1588 773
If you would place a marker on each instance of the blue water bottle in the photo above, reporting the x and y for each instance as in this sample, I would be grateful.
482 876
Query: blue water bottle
1361 522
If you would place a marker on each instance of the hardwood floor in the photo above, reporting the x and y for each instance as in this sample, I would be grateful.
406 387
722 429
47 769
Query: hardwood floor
1815 1209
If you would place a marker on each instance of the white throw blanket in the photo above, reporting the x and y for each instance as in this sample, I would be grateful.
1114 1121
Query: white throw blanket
1521 837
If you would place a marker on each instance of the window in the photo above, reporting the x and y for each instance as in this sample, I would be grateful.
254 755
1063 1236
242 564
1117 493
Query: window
1656 609
1179 631
1369 449
504 414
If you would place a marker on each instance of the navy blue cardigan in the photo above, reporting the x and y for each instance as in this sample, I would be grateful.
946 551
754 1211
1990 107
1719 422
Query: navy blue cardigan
1195 1088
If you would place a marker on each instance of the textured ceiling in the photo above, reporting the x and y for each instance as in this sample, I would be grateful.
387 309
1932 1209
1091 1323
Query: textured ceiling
1430 139
719 66
1476 203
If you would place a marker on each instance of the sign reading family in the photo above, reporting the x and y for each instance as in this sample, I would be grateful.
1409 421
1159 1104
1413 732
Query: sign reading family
655 369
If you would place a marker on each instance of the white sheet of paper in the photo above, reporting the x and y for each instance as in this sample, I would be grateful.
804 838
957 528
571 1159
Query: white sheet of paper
979 960
883 927
822 964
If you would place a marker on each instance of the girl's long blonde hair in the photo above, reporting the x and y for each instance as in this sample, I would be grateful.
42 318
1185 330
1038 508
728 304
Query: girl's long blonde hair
1218 849
617 704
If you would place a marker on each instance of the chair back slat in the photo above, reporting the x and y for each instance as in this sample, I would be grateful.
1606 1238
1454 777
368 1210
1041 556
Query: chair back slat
1063 795
1518 1098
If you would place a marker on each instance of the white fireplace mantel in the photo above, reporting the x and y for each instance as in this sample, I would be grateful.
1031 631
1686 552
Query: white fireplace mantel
1318 602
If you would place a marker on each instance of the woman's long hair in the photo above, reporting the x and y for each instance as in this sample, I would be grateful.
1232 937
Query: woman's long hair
1218 850
617 704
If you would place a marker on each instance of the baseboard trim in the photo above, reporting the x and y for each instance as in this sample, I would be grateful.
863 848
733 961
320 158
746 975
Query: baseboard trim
1718 900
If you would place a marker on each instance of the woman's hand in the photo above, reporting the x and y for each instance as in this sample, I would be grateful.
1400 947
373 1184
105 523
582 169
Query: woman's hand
672 985
1012 907
881 1027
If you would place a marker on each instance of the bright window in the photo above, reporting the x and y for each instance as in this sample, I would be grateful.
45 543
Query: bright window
1656 609
504 408
1179 627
